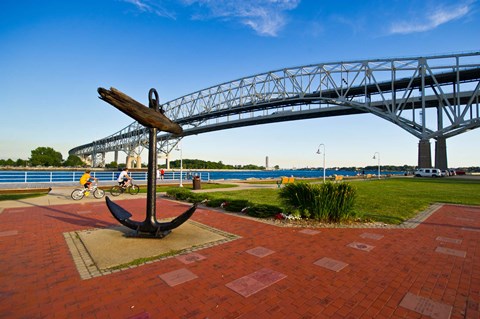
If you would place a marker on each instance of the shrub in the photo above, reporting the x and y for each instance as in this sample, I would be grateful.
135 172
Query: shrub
263 210
236 205
197 197
299 195
215 202
336 202
324 202
186 195
179 193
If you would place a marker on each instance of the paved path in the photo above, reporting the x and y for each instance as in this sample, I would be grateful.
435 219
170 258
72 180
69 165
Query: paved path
430 271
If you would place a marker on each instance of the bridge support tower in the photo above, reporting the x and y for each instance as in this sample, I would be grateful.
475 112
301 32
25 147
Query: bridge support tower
138 162
441 153
424 154
99 159
129 161
425 157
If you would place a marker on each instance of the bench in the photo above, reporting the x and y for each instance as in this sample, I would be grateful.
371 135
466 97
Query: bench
285 180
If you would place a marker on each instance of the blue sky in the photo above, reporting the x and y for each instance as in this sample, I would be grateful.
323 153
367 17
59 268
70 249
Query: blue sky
55 54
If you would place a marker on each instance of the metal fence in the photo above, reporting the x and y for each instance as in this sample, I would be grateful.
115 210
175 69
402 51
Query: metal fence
70 176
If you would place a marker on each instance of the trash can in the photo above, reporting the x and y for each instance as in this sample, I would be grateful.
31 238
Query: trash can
197 182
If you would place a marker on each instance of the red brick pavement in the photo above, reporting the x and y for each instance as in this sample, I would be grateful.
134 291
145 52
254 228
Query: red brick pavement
404 269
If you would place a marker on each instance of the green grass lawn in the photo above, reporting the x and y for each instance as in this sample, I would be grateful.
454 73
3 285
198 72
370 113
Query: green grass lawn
391 200
165 188
397 199
143 189
20 196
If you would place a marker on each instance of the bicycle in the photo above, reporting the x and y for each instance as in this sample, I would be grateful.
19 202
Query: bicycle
79 193
131 188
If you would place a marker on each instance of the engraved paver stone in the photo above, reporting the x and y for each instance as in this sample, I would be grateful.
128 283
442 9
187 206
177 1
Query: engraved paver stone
361 246
450 251
426 306
177 277
260 251
331 264
449 240
253 283
190 258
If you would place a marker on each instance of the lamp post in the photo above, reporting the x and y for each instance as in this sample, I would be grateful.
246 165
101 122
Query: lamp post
179 148
318 152
378 156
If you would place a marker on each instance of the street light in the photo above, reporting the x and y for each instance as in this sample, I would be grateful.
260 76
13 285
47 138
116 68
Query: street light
318 152
179 148
378 155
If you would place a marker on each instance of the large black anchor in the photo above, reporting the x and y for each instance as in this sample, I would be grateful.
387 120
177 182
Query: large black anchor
152 117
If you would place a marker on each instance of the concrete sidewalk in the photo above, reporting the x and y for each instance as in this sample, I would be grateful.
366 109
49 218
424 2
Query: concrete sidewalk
60 194
427 271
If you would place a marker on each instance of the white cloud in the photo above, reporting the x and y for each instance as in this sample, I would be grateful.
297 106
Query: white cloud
431 20
139 4
152 6
265 17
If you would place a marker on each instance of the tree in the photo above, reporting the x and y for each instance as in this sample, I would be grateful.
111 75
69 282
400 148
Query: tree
45 156
8 162
20 162
112 165
73 161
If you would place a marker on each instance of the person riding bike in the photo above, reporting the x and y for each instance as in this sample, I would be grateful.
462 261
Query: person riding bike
123 179
86 179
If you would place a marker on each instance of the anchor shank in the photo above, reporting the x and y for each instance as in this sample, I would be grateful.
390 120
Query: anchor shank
150 227
152 166
151 178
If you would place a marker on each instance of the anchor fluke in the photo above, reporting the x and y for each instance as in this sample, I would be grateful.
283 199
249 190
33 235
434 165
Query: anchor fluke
178 220
149 227
118 212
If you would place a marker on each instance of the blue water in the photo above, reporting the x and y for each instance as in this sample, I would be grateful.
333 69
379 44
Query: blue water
275 174
74 176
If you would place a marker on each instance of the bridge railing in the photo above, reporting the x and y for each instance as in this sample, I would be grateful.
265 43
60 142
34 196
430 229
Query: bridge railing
7 177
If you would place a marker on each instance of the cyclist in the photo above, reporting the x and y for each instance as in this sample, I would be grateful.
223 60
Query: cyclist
86 179
123 179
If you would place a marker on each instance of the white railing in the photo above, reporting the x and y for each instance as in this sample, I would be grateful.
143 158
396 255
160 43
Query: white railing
74 176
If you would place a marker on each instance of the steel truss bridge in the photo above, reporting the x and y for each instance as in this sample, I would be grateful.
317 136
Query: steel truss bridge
431 97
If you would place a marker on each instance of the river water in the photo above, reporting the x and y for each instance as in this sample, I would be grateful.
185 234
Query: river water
36 176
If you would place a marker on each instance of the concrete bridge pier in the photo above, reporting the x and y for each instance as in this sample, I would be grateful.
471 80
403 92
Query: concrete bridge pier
129 161
424 154
115 156
86 159
441 153
163 160
99 160
138 162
